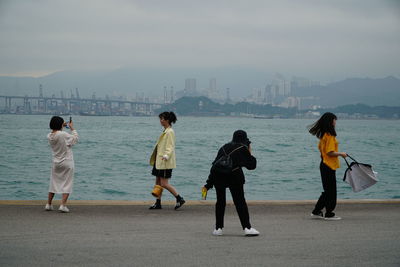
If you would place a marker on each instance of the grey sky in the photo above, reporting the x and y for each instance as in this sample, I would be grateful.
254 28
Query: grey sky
315 39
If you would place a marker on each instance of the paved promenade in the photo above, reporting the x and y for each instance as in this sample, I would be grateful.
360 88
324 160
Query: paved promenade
128 234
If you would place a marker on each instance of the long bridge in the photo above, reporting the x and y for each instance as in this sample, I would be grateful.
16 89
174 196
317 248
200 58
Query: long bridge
76 106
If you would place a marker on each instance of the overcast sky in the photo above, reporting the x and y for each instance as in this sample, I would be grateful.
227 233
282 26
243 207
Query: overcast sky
315 39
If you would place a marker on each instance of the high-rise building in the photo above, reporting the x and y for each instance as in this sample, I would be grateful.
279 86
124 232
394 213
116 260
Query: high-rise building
190 85
268 94
172 95
288 89
256 96
281 86
40 90
165 95
169 96
212 91
213 84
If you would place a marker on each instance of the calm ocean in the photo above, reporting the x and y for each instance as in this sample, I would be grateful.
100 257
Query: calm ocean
111 159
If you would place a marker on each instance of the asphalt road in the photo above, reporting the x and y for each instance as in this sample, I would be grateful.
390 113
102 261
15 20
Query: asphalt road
132 235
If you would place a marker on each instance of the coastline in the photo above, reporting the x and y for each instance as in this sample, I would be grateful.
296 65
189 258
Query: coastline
253 116
193 202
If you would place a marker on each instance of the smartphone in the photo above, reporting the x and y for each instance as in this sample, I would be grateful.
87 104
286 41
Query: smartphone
67 124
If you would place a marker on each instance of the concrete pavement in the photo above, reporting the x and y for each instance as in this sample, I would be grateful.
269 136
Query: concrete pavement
123 234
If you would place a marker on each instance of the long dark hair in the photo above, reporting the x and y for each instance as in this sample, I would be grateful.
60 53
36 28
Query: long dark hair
323 125
168 116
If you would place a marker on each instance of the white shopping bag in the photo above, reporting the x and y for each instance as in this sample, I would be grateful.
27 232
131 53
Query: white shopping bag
359 175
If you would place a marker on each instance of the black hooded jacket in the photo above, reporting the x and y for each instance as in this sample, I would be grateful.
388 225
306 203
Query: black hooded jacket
240 158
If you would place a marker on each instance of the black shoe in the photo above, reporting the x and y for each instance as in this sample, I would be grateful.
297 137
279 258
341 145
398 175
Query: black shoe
155 207
179 203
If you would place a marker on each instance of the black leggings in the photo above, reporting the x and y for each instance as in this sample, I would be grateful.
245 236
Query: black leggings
327 199
240 204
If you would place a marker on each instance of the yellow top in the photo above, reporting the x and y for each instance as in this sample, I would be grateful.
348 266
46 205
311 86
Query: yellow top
327 144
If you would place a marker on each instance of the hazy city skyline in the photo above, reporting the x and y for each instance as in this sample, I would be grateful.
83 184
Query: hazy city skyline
319 40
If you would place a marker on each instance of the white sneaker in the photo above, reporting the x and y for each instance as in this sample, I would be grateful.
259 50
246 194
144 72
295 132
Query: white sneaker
333 218
63 209
317 216
251 232
49 207
217 231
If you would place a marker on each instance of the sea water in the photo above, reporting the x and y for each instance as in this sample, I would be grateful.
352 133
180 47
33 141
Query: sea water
112 156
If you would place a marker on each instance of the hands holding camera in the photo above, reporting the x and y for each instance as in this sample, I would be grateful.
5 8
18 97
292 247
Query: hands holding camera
69 124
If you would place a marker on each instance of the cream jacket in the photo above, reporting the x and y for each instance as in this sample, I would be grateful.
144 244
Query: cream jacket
164 148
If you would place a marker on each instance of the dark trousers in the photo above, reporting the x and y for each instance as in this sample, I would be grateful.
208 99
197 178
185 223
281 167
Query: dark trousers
327 199
240 204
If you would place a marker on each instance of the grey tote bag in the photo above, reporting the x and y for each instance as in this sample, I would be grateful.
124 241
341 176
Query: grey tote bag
360 176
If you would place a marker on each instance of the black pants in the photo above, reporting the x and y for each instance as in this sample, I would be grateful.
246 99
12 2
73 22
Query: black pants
327 199
240 204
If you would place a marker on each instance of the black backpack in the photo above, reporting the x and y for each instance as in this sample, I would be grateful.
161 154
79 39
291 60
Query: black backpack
224 163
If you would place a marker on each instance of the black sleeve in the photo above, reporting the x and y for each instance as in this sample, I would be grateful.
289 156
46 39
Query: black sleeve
219 154
247 160
210 181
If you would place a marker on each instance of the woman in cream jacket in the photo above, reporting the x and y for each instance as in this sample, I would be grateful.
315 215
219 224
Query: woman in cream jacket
163 159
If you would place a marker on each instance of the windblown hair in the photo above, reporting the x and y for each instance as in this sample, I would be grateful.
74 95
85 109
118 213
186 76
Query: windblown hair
168 116
323 125
56 123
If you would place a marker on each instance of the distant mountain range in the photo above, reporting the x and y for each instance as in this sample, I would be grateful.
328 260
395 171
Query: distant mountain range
241 81
202 106
128 81
374 92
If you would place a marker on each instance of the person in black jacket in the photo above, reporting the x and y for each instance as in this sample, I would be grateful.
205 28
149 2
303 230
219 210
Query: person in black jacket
234 180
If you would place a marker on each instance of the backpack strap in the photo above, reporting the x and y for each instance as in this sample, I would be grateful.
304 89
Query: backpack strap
224 151
227 154
233 150
231 153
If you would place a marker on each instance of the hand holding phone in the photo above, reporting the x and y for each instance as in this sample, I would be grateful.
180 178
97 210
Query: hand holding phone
71 124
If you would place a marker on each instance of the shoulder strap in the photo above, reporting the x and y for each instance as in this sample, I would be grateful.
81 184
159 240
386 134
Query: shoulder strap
234 150
224 151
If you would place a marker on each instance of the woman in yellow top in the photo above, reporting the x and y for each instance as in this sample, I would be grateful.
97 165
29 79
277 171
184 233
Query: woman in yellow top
324 129
163 159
